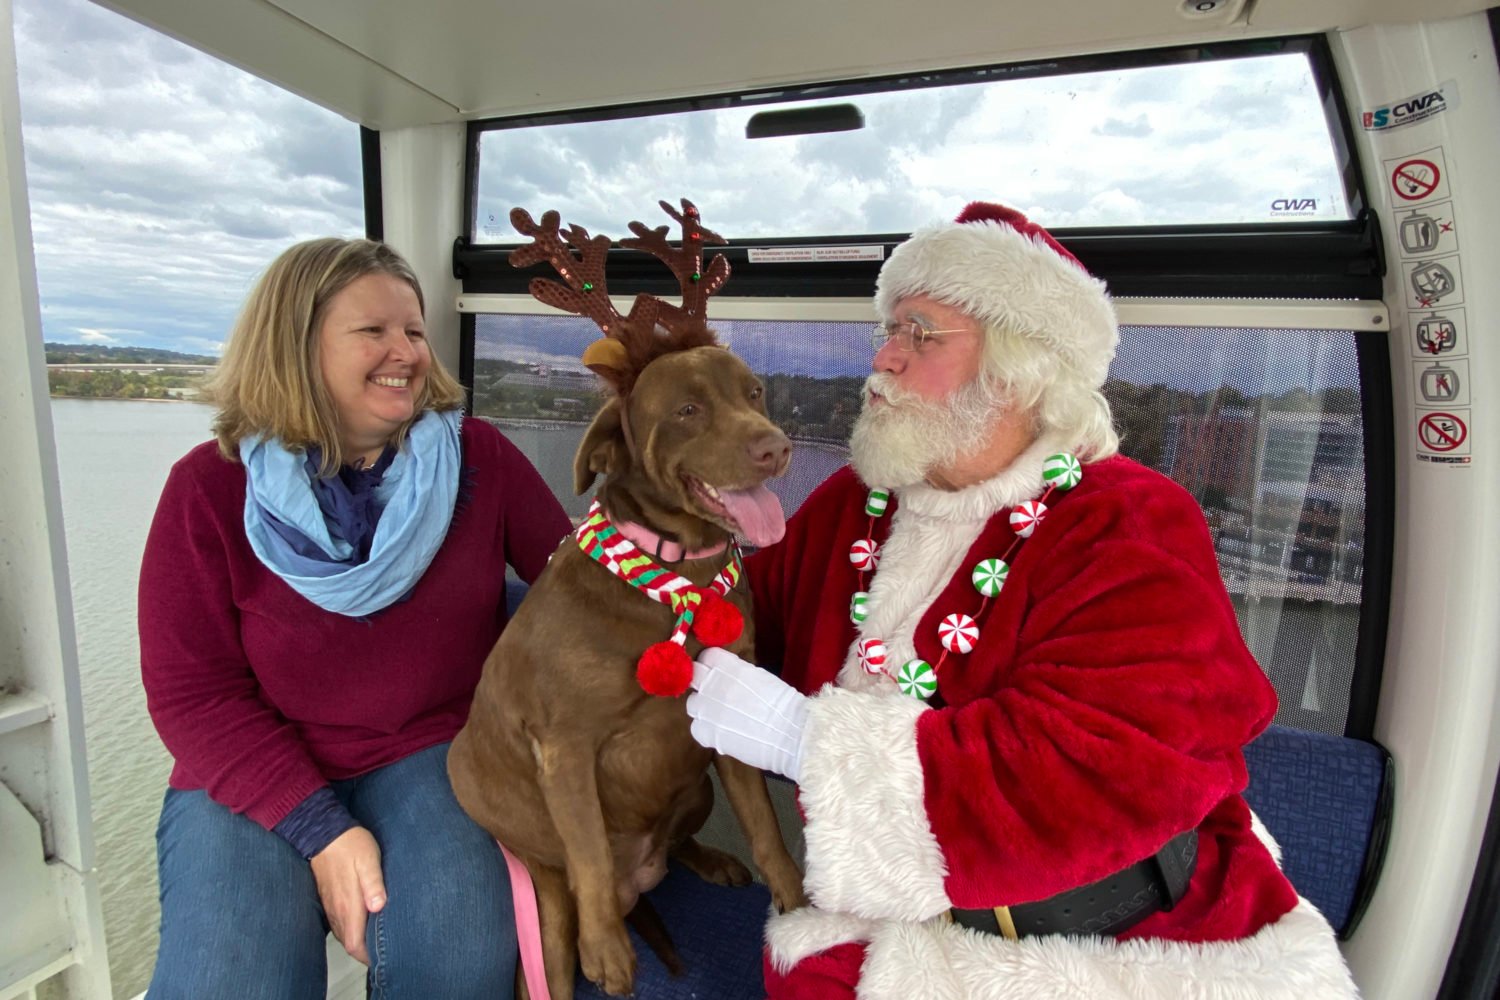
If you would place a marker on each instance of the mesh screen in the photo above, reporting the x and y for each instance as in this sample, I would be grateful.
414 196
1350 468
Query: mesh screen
1263 427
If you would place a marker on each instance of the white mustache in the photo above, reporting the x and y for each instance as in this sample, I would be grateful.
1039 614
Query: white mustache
884 385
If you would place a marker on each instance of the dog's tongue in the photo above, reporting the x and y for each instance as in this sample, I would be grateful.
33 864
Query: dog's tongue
758 513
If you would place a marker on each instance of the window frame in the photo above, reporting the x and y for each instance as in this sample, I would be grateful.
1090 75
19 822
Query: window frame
1330 260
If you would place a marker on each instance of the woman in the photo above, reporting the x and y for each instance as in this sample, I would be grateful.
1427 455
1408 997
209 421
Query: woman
319 591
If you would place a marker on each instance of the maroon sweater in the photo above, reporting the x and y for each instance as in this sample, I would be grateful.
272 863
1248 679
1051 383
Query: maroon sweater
261 696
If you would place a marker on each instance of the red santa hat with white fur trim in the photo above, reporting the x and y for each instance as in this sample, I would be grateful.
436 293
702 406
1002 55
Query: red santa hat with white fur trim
1006 271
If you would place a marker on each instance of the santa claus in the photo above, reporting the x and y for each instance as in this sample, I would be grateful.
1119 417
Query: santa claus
1013 692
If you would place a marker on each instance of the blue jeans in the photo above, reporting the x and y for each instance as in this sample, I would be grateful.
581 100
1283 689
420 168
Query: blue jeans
240 916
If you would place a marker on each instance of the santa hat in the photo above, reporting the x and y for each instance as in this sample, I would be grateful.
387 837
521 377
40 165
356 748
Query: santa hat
1008 272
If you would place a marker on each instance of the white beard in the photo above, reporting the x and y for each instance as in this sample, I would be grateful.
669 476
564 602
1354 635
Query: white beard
901 441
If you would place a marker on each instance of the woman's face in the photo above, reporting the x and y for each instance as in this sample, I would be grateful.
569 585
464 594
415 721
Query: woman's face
373 355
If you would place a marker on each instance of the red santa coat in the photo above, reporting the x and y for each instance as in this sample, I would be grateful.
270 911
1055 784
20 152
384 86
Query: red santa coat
1102 712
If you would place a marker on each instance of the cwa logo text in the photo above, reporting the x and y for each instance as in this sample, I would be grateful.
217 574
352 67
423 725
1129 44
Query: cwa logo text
1294 206
1413 109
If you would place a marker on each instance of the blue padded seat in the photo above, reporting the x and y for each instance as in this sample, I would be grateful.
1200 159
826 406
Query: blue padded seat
717 931
1327 801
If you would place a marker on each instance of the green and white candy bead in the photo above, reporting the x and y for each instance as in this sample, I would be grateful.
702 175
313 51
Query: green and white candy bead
859 606
1062 471
877 502
917 678
989 576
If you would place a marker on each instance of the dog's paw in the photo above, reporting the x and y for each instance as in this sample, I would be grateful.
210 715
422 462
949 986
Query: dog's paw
788 897
712 865
608 959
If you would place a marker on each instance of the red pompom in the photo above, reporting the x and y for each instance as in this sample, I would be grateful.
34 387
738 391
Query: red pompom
664 669
716 622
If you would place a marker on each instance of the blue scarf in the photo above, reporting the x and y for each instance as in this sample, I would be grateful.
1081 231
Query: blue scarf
291 532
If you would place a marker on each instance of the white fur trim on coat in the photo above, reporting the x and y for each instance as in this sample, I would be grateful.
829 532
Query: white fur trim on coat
1296 958
931 532
1008 280
791 937
1018 481
870 850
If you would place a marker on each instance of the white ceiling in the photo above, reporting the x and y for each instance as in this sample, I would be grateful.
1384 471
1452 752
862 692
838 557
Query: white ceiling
396 63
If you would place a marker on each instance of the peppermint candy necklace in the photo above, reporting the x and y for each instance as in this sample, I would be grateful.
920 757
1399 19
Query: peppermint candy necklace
958 633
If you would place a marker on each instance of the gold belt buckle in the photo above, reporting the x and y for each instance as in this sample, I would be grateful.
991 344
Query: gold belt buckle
1007 925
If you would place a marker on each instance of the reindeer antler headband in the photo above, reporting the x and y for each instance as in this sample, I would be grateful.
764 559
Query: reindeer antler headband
653 327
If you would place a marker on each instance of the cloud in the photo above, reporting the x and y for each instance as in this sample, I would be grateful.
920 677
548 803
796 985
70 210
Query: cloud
99 336
161 180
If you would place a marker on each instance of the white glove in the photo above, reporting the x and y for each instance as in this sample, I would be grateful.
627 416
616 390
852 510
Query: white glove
747 713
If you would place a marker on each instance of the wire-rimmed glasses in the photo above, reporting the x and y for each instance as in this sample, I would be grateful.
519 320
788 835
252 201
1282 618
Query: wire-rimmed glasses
909 335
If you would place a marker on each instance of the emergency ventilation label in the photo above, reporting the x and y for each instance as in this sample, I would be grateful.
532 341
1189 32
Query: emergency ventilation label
813 255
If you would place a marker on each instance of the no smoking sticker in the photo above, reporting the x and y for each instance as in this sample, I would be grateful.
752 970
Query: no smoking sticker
1418 178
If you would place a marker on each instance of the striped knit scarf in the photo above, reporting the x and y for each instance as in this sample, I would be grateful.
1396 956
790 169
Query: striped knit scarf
661 671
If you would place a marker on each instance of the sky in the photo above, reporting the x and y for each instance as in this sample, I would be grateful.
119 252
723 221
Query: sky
162 181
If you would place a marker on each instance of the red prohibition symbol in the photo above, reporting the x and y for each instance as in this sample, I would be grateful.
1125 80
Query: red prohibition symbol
1442 431
1413 180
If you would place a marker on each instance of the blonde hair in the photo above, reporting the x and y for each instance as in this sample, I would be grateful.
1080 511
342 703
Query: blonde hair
1034 376
269 381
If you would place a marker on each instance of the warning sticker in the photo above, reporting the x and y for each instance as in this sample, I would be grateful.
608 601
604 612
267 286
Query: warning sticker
1418 177
1439 334
1433 282
1443 432
1427 230
813 255
1442 383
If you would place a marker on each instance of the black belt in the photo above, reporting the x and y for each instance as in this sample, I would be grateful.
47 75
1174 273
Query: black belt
1109 906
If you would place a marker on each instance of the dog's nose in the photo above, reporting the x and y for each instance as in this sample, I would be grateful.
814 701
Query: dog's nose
770 452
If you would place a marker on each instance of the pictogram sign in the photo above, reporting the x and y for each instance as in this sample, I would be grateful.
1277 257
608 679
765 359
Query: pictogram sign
1441 431
1415 179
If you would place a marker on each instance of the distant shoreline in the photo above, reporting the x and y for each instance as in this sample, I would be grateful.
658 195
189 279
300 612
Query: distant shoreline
125 399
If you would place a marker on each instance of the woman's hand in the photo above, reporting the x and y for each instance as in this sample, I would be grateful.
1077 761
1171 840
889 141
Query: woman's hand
351 887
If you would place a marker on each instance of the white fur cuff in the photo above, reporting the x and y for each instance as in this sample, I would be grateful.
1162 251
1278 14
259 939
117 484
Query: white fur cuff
1295 958
870 850
791 937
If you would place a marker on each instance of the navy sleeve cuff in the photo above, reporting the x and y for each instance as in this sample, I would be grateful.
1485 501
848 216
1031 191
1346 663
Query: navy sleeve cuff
314 822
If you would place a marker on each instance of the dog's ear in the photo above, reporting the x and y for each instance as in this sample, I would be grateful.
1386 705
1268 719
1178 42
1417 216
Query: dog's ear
602 450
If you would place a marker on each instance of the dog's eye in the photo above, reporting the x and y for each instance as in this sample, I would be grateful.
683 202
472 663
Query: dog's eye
687 409
757 392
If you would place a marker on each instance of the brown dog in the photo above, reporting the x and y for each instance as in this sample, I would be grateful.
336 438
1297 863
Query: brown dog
565 759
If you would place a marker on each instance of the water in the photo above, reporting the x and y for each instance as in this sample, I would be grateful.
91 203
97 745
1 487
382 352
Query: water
114 456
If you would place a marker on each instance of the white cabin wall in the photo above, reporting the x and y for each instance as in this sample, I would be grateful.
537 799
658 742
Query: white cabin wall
422 187
1441 690
50 921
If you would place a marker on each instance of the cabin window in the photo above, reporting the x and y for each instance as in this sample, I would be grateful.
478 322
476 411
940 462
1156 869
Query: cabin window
1239 135
1222 173
1263 426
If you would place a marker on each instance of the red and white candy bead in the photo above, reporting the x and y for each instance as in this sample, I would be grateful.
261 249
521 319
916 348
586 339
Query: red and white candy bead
872 655
958 633
1026 516
865 554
